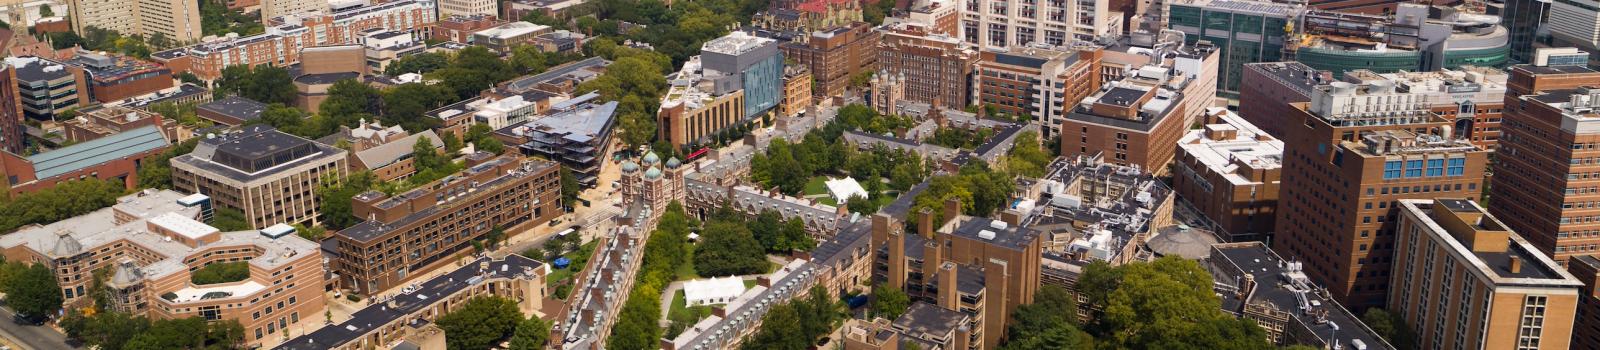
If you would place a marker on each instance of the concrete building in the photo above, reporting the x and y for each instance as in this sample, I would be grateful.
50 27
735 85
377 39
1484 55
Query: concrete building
109 120
1268 91
834 54
998 25
452 8
736 79
115 158
1544 162
1257 284
1362 148
1465 280
562 79
152 241
280 8
1575 23
1245 31
459 28
577 133
1418 40
231 111
504 38
409 316
1230 171
1040 84
937 66
44 87
502 193
178 21
269 175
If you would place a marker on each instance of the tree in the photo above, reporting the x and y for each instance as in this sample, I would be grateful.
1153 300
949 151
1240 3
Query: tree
481 323
45 11
157 170
1391 326
32 290
67 199
767 228
268 84
229 219
406 105
349 100
335 195
531 334
569 187
1026 158
797 323
889 301
1165 304
421 63
1047 323
727 248
222 272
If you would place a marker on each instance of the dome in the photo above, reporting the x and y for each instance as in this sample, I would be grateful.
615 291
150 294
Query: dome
651 158
629 166
66 246
653 173
673 163
127 274
1182 241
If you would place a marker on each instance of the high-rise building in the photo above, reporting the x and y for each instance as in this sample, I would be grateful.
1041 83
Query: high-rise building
1350 154
178 21
1004 24
834 55
1586 326
1269 90
1472 98
937 67
11 126
1138 119
1230 171
279 8
1523 18
269 175
1038 83
1545 168
744 62
1463 280
1246 31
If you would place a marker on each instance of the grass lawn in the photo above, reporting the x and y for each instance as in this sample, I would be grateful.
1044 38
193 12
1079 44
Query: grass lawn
579 258
749 284
684 314
686 272
817 185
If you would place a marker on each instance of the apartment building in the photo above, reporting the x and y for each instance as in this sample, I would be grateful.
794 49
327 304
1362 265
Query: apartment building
1362 148
505 193
450 8
1465 280
937 66
1545 168
459 28
395 321
346 25
1586 321
207 59
152 241
796 91
924 325
1230 170
999 24
178 21
1041 84
269 175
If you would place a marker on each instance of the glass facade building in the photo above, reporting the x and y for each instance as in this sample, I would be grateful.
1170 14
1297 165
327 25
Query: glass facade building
1246 31
763 85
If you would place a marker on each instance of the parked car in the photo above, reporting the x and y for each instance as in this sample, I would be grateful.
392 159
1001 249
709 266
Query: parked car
28 320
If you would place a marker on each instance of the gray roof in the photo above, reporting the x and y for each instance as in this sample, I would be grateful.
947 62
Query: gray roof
392 152
97 151
235 106
924 318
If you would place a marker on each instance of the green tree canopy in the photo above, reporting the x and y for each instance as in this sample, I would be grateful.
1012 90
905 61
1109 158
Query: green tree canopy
31 289
531 334
889 302
1165 304
481 323
727 248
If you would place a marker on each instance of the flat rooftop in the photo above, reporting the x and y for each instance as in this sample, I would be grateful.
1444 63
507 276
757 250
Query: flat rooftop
1293 74
1537 268
1268 270
995 232
254 152
1249 145
924 318
235 106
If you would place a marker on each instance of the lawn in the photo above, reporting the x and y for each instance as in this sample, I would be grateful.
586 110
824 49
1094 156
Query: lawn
683 315
817 185
749 284
579 258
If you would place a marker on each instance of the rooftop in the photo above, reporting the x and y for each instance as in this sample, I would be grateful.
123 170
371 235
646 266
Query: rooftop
1124 201
512 30
1232 142
37 69
1284 286
924 318
254 152
1398 142
235 106
579 120
1266 8
97 151
373 229
580 71
735 43
165 95
1293 74
995 232
394 151
109 67
1469 232
425 295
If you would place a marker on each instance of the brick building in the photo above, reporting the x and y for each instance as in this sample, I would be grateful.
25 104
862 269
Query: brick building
504 193
937 67
1230 171
834 55
1041 84
114 158
110 120
1135 121
460 28
11 115
109 78
1267 91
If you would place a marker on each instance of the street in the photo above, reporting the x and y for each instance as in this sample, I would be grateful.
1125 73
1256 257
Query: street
30 337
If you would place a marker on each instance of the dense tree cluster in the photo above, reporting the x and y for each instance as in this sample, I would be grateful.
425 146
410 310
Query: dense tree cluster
157 170
222 272
97 39
796 324
229 219
667 248
217 19
481 136
30 289
780 236
787 167
636 79
1026 158
66 199
109 330
1391 326
1050 322
727 248
1164 304
336 197
262 83
959 138
420 63
480 324
889 302
980 189
531 334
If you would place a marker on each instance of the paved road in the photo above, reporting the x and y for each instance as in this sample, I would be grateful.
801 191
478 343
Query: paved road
31 337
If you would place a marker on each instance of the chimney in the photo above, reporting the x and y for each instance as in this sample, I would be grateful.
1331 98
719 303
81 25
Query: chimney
1516 264
952 210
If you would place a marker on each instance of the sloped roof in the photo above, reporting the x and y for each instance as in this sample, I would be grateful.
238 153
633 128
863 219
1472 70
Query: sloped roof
93 152
391 152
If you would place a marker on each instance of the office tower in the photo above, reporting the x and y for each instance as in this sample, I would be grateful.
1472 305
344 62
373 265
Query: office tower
1003 24
1545 170
1349 155
1036 83
1523 19
1247 31
1462 280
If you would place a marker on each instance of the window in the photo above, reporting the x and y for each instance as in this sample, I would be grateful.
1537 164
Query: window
1435 167
1414 168
1391 170
1457 167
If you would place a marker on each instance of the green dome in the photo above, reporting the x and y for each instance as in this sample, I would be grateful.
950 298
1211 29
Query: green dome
629 166
651 158
652 174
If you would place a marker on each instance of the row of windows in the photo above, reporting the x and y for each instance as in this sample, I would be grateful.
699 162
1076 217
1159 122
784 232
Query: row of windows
1396 169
